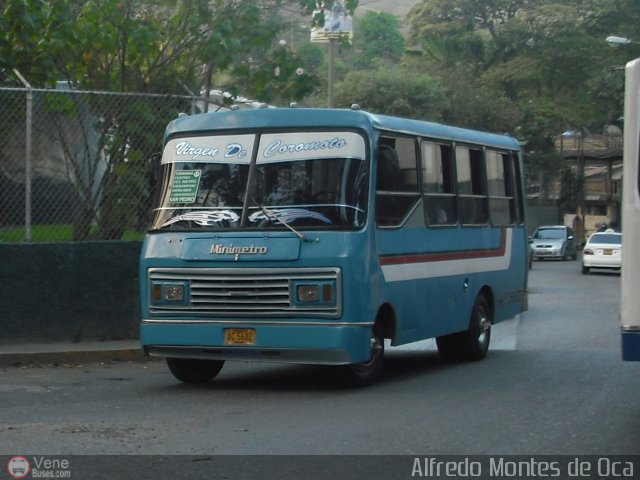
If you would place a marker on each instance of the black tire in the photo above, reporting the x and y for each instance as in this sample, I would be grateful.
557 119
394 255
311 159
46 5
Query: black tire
364 374
472 344
193 370
585 270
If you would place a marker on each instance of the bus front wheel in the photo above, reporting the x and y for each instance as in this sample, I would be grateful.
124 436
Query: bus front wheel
472 344
193 370
364 374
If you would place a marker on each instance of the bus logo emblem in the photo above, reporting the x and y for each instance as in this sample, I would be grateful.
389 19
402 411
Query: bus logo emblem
236 251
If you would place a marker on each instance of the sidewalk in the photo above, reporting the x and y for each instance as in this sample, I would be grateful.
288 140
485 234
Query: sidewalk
69 353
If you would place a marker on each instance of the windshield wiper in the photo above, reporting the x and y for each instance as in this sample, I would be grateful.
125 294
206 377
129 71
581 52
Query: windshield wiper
272 216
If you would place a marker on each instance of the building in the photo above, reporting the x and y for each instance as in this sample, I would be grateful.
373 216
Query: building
598 159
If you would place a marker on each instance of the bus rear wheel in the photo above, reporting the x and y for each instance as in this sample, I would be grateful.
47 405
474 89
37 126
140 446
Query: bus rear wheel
472 344
193 370
364 374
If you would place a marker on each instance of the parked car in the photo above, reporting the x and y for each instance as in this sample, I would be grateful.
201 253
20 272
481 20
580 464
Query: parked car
602 250
554 241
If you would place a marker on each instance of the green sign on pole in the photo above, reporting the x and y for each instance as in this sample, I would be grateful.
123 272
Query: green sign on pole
184 188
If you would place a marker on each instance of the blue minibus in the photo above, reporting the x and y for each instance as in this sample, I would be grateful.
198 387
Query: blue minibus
317 236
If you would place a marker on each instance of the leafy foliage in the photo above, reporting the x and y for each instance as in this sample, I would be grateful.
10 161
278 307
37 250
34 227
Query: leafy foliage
35 34
394 92
544 66
378 42
159 46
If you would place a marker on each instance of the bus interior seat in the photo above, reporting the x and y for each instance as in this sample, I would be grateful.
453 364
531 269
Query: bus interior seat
388 169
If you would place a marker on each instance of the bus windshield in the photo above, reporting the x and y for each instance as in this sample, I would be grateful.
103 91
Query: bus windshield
303 179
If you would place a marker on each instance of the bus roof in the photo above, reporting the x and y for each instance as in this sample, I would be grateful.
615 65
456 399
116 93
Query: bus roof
331 118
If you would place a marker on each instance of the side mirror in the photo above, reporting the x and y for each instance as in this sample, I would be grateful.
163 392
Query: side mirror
570 237
154 167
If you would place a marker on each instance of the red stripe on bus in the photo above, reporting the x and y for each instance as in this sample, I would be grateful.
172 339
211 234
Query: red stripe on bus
444 256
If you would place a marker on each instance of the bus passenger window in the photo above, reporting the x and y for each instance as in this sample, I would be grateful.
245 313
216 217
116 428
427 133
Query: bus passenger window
499 186
388 170
472 200
397 180
438 184
516 189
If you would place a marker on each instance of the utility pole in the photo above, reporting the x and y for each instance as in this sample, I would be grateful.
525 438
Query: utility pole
332 46
337 26
580 232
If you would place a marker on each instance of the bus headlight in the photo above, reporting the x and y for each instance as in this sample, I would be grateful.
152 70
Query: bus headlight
174 293
169 293
321 293
308 293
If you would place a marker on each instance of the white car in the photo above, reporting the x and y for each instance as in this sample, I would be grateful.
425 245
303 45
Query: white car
602 250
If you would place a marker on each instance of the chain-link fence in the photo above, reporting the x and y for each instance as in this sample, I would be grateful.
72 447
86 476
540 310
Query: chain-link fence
76 165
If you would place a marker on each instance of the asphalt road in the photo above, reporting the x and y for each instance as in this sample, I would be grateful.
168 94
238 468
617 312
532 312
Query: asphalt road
553 384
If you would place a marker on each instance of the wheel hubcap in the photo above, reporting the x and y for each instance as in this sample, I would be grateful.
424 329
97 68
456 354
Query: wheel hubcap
485 326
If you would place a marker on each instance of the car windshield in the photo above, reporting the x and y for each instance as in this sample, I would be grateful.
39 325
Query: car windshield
606 238
301 179
550 234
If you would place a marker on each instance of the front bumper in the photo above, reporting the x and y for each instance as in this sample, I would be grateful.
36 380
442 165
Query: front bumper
284 342
547 253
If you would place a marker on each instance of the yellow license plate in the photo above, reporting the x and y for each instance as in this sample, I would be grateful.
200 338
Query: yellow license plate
239 336
607 251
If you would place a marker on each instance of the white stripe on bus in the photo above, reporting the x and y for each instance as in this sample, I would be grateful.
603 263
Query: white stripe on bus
449 268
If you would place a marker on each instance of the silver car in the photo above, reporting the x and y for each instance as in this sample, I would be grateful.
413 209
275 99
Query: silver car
553 241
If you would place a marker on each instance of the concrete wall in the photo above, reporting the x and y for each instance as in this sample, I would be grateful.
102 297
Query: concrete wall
69 291
542 215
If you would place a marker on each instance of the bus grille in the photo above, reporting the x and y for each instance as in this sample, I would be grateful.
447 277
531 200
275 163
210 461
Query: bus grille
244 291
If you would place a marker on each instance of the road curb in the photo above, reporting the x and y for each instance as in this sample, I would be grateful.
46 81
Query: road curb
73 357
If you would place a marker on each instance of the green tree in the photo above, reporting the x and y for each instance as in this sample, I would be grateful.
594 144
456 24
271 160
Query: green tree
126 46
399 92
544 64
549 57
463 32
34 37
279 76
377 41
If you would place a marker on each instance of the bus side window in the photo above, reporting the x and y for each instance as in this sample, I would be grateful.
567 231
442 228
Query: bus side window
499 186
472 200
388 169
396 180
518 196
438 184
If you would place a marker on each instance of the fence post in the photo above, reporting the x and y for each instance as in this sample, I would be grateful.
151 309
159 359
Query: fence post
28 160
